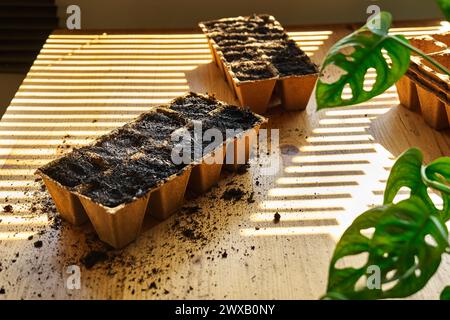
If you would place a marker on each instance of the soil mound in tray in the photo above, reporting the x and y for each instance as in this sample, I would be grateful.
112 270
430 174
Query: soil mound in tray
129 161
194 107
257 47
229 121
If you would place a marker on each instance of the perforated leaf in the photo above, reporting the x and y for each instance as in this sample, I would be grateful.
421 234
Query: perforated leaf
445 7
406 246
352 57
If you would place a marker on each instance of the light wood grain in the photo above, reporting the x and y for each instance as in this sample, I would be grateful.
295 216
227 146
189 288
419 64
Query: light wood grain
333 167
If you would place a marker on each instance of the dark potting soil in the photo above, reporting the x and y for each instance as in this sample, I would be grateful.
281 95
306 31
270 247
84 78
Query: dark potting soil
131 160
233 194
133 178
158 125
115 174
194 107
239 54
232 118
253 70
257 47
38 244
289 59
229 121
94 257
241 23
276 217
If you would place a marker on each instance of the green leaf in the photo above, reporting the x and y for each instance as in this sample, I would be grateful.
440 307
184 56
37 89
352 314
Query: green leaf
349 60
380 24
445 7
437 176
406 172
445 294
400 247
409 172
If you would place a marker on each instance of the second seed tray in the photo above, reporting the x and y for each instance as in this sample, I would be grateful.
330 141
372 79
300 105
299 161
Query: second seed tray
260 62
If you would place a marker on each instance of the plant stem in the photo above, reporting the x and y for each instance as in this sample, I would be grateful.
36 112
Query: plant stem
422 54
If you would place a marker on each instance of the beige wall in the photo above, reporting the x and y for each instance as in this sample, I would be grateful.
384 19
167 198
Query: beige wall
129 14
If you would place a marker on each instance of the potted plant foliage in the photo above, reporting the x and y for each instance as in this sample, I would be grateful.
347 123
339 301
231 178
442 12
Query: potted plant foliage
405 240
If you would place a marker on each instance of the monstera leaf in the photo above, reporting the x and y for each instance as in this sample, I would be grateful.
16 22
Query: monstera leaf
409 172
445 7
406 248
437 176
408 238
445 294
351 58
406 172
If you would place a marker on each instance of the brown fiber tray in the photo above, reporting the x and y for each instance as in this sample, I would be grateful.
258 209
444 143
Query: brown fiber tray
293 91
120 225
424 89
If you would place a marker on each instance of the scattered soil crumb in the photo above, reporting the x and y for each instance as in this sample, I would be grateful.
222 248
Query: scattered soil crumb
250 198
224 254
8 208
38 244
189 233
235 194
242 169
191 210
276 217
94 257
2 291
193 233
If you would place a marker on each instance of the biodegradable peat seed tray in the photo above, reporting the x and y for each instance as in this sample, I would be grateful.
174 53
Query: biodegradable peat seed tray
128 173
260 63
424 88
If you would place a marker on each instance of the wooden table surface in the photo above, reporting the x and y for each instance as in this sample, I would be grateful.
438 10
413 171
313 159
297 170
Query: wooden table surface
334 165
